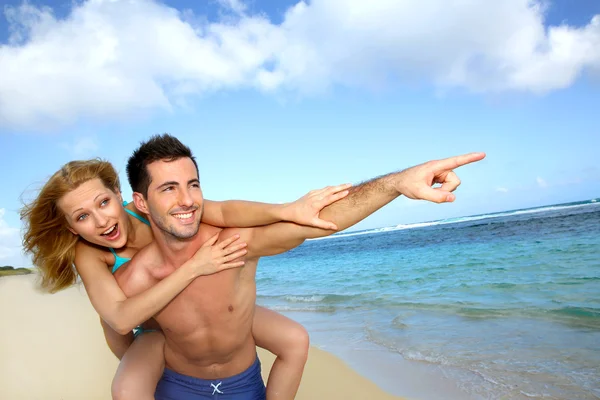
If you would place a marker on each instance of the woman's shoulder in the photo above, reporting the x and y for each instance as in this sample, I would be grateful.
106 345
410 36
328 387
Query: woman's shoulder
89 252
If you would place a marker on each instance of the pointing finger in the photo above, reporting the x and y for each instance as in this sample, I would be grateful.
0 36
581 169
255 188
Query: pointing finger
458 161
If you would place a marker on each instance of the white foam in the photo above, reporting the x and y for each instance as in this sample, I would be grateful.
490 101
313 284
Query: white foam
305 299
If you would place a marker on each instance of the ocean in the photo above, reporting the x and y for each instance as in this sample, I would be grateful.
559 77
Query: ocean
496 306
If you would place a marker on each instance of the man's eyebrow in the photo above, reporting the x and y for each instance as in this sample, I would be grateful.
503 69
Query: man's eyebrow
195 180
169 183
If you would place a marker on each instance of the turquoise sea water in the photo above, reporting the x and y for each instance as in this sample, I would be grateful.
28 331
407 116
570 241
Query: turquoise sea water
505 305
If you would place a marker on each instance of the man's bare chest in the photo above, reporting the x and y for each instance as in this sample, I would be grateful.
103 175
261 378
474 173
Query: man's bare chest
211 302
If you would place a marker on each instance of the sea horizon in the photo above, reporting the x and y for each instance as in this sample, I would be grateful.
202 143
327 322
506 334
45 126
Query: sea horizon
493 214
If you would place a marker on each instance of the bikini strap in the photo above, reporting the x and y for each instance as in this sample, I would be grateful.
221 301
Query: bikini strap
133 214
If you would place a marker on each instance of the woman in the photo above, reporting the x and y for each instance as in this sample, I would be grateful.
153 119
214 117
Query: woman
78 225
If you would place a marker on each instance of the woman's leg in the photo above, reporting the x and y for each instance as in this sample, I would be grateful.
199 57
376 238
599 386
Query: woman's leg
288 340
140 369
117 343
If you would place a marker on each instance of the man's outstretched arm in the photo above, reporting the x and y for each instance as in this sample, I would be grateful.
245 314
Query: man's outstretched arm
363 200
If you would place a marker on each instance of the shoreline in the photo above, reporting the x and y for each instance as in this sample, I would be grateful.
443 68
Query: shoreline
387 369
52 348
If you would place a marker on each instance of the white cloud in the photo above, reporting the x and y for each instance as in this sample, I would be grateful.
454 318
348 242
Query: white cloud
502 190
541 182
112 58
83 146
236 6
10 245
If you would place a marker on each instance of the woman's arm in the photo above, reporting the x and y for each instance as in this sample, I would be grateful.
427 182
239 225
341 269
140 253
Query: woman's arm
117 343
123 314
242 214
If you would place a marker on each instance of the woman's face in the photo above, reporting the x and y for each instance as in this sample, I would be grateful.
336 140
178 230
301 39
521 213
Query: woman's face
95 213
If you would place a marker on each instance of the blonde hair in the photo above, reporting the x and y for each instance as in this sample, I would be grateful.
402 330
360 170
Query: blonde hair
46 234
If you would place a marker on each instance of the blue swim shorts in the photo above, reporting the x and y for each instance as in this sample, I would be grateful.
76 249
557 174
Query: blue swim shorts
247 385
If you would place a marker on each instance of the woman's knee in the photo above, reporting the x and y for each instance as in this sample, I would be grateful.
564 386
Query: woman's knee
297 342
123 388
132 386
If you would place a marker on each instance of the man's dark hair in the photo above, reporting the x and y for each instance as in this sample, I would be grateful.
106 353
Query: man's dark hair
159 147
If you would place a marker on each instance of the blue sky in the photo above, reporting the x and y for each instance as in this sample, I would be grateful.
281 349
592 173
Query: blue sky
280 97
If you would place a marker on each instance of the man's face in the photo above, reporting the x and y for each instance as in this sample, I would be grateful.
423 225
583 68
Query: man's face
175 202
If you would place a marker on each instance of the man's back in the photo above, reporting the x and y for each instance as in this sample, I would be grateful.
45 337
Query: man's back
208 325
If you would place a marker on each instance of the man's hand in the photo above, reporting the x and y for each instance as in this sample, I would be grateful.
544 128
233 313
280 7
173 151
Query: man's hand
305 210
416 182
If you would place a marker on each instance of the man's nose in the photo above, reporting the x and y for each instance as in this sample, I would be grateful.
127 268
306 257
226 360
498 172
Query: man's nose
185 198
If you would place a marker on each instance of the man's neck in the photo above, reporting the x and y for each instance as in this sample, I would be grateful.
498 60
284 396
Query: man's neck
175 252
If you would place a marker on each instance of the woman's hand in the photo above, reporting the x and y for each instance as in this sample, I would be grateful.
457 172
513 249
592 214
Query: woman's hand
305 210
212 258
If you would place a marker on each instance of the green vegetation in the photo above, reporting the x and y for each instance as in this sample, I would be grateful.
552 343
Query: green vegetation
8 270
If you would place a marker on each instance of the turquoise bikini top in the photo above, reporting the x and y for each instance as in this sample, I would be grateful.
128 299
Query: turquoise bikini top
119 261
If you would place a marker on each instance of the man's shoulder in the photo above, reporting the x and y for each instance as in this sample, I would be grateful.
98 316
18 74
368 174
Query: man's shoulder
147 256
206 231
135 276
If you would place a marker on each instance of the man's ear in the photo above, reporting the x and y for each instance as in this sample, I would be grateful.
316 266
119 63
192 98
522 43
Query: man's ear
140 202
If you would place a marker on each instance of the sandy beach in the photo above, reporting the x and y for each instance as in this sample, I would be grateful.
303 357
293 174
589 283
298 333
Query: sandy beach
52 348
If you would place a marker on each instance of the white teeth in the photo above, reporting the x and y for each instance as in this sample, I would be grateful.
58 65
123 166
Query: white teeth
183 216
112 228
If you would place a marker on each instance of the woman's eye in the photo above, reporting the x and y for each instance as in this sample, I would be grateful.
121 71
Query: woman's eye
103 202
82 217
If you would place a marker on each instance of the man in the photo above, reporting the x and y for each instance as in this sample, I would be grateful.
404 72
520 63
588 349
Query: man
209 345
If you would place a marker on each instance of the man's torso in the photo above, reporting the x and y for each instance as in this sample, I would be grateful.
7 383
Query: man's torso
208 326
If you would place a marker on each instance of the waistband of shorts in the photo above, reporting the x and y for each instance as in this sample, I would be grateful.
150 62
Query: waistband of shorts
231 381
